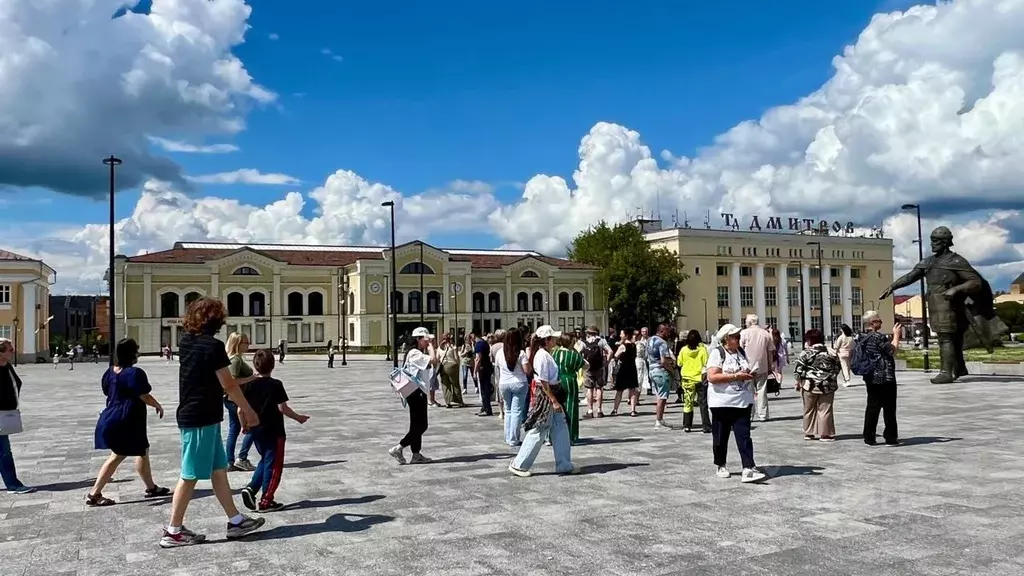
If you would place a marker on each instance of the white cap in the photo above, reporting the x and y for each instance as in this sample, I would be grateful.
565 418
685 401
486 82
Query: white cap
421 332
727 330
546 331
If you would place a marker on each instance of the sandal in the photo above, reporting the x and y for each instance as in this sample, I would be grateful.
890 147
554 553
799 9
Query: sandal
98 500
157 492
634 413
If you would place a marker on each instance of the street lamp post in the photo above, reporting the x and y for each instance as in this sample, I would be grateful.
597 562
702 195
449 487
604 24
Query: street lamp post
391 291
16 322
113 162
423 296
803 321
924 309
707 328
821 286
455 296
344 319
387 317
547 306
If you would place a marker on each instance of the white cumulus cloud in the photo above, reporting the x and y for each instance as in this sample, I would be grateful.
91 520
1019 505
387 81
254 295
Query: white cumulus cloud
185 147
245 176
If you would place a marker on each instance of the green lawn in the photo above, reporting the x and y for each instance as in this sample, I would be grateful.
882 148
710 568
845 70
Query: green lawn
915 358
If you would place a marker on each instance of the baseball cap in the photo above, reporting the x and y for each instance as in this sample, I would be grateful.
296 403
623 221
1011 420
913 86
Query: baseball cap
421 332
727 330
546 331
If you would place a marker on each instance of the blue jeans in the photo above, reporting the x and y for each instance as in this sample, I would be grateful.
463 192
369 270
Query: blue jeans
7 470
514 397
234 429
467 375
267 476
558 431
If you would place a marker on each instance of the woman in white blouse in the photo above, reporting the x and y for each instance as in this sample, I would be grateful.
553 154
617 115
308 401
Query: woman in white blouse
730 396
844 348
421 359
510 363
547 411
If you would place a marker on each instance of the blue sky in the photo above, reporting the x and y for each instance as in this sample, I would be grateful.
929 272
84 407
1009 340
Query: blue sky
426 93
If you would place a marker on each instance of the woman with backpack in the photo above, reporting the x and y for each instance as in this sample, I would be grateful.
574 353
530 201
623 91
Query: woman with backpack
816 371
730 396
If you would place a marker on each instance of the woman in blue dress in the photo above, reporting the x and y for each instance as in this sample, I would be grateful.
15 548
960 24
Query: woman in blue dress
122 424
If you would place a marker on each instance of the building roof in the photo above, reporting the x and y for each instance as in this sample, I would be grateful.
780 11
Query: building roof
336 256
6 255
897 300
1018 280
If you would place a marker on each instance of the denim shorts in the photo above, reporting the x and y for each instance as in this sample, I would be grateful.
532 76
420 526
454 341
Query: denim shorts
202 452
661 384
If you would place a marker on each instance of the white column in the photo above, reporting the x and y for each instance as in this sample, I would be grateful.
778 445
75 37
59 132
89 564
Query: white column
147 295
214 285
759 302
826 300
782 298
847 295
29 322
805 314
734 295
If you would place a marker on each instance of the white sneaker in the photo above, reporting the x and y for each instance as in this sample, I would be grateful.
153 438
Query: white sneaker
517 472
723 472
660 425
752 475
420 459
847 383
397 454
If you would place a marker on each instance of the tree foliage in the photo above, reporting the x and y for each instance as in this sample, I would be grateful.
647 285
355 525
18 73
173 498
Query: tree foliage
1012 314
642 282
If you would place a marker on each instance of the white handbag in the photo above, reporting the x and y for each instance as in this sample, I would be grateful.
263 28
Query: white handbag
10 420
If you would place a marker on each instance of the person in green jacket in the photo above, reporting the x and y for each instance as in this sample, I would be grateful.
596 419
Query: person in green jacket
569 363
237 345
692 360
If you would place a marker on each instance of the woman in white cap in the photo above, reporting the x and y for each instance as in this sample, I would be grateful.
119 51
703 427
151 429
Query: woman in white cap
730 396
547 409
422 360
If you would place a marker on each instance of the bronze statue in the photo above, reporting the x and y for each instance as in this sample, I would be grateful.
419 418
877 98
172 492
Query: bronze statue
958 299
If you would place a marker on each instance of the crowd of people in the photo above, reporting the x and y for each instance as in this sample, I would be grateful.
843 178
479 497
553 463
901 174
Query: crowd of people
535 377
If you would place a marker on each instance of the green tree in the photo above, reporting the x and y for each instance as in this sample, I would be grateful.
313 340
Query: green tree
642 282
1012 314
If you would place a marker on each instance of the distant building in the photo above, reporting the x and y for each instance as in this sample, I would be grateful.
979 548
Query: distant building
24 304
1016 293
74 318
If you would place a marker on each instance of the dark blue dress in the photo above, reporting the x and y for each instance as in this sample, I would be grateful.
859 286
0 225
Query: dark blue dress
122 424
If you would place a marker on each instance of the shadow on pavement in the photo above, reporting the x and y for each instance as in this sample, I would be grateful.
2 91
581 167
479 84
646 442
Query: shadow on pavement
341 522
471 458
780 471
921 440
303 464
309 504
598 441
76 485
608 467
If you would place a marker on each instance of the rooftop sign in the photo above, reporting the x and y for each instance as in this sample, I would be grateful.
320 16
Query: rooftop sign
823 227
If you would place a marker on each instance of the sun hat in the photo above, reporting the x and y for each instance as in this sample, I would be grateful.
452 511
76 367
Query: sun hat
546 331
727 330
421 332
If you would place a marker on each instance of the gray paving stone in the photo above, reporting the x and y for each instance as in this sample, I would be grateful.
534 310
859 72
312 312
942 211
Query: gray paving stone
647 502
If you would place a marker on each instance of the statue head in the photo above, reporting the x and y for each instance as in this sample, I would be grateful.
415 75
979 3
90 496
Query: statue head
942 239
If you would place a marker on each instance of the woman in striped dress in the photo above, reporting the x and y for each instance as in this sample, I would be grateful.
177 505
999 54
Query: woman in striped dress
569 363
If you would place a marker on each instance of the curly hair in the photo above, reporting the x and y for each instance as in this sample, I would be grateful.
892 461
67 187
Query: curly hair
204 315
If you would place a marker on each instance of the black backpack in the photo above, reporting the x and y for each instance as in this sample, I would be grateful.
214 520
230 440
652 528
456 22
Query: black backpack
593 354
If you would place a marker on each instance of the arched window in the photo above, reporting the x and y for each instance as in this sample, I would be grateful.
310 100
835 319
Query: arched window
315 304
563 301
577 300
522 302
415 302
398 304
433 302
191 297
351 302
416 268
529 274
538 301
236 304
169 305
257 304
494 302
478 301
246 271
294 304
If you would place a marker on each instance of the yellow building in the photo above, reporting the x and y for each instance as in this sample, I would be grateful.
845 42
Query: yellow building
24 304
733 273
296 293
909 307
1016 293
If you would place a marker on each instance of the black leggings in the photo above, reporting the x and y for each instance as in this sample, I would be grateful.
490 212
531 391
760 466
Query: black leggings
417 402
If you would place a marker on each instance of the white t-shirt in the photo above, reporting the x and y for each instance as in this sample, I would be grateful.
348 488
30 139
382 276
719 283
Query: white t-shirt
515 376
736 394
544 367
420 361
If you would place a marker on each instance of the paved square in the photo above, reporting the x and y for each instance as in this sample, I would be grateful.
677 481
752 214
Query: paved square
947 502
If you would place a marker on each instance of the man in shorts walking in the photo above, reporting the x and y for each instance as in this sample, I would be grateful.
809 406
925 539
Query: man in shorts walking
659 361
203 380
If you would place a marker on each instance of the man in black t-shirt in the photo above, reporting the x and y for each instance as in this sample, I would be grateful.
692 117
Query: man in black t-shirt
484 371
267 397
203 380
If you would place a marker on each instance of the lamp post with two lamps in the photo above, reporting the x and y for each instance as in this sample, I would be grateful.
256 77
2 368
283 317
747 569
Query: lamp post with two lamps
113 162
821 285
391 289
924 309
16 322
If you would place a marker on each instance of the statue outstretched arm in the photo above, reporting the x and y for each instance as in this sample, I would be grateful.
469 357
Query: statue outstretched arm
906 280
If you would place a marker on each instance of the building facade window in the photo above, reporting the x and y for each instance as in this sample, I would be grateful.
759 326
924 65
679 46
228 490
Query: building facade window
494 302
857 296
746 271
306 333
478 302
5 293
318 332
856 326
294 303
723 296
854 272
815 296
834 272
722 270
769 271
793 271
7 332
522 302
261 334
415 302
529 274
398 306
746 296
433 302
416 268
192 297
771 321
257 304
771 296
837 325
563 301
246 271
816 322
169 305
794 329
293 333
577 300
315 303
835 295
793 295
722 322
815 272
538 301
